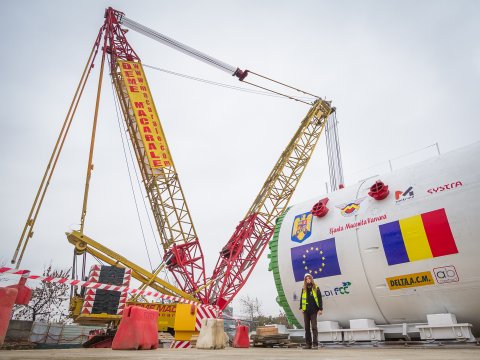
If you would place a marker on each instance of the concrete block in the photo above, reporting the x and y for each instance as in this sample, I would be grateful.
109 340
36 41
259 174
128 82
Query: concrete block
327 325
334 335
211 335
19 330
372 334
362 323
441 319
458 332
282 329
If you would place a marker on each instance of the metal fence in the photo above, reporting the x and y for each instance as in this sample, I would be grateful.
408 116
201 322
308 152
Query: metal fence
48 333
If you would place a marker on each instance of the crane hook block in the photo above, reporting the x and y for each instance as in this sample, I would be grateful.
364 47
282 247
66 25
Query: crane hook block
379 190
320 208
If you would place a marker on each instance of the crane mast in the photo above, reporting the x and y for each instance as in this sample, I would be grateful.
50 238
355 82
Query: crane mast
183 255
239 256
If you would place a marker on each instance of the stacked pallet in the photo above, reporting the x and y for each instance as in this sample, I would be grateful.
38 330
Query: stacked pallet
193 340
165 339
267 330
268 336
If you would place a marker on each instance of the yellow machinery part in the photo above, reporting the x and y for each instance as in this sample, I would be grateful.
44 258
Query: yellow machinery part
84 243
185 319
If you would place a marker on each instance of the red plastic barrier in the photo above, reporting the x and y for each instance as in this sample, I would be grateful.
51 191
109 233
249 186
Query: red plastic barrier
137 330
24 292
7 299
241 339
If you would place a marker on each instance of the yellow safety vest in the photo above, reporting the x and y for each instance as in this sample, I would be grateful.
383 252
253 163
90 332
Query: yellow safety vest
304 298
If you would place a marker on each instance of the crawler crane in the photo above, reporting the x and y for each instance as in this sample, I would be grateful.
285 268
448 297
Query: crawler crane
183 255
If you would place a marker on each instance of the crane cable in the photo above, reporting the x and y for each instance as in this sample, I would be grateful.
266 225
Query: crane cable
177 45
283 84
135 171
280 83
268 92
130 177
140 189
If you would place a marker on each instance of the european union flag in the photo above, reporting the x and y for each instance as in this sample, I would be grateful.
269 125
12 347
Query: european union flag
318 258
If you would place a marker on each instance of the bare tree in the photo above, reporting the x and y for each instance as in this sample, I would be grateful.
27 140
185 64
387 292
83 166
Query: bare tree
251 307
281 318
47 303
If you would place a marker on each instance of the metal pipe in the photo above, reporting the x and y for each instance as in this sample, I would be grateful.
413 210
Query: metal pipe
55 156
92 141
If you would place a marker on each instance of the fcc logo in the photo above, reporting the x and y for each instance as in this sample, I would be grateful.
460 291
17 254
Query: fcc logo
446 274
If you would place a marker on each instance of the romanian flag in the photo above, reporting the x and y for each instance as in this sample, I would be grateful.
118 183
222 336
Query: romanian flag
418 237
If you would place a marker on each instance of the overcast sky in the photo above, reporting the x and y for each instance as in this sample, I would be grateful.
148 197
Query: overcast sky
403 75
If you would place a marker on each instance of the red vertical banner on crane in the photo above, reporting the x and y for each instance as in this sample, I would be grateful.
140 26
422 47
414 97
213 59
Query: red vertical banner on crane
146 115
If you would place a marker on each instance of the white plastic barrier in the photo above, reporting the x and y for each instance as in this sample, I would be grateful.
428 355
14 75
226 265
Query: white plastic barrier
445 327
329 331
212 335
363 330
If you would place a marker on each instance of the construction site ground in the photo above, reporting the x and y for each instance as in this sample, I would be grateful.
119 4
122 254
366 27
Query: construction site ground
434 352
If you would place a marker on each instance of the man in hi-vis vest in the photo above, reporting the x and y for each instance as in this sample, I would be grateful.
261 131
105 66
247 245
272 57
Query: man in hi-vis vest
311 305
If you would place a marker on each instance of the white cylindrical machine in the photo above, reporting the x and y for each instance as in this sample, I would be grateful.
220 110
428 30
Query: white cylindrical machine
393 259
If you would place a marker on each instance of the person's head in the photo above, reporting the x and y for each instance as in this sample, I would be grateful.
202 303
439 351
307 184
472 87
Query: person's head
308 281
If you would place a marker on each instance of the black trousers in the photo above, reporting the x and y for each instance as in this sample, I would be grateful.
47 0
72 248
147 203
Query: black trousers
310 321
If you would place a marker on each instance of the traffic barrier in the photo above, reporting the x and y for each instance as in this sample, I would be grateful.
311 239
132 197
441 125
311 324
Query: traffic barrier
241 339
94 285
24 292
221 338
180 344
137 330
206 337
7 299
212 335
